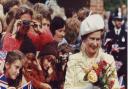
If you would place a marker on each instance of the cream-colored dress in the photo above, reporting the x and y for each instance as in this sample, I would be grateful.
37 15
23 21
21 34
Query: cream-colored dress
76 70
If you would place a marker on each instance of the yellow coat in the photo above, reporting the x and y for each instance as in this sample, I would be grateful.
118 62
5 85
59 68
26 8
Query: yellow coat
76 70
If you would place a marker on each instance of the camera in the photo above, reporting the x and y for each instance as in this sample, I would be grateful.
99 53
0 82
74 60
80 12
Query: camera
25 23
63 58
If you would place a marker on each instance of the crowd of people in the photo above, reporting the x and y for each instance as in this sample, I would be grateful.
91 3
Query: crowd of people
41 47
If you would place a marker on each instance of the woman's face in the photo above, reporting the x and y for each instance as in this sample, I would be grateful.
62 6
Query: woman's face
92 43
47 62
59 34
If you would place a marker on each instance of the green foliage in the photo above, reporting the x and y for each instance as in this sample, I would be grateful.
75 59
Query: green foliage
112 4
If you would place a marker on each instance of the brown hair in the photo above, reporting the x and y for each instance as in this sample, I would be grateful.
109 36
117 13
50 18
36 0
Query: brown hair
13 56
32 72
72 29
38 17
23 10
43 10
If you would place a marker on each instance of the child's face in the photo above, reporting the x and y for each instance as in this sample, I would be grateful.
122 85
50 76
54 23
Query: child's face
46 23
13 70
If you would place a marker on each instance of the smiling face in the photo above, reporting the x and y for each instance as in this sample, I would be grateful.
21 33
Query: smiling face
59 34
92 43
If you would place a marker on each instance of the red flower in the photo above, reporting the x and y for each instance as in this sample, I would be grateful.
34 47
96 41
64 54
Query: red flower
111 83
98 71
103 63
101 67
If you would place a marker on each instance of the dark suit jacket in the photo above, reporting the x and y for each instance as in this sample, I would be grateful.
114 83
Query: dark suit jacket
121 41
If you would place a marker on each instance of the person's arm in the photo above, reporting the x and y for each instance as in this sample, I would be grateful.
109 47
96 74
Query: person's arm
10 26
38 64
13 19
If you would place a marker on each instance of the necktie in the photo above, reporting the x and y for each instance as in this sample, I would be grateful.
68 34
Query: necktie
117 32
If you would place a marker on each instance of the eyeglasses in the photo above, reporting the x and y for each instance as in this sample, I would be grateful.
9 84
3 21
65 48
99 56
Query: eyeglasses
37 26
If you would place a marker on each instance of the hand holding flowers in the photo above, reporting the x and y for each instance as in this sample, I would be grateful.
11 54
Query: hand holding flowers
101 74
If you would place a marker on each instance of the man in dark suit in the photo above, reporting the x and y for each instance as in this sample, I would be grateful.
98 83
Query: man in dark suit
116 43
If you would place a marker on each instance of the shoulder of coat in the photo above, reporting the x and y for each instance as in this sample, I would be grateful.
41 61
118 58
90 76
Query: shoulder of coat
75 58
108 58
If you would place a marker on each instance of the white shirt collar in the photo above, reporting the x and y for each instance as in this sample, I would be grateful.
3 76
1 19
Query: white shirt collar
117 30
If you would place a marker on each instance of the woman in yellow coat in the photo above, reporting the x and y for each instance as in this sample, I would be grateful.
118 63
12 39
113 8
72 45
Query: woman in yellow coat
91 67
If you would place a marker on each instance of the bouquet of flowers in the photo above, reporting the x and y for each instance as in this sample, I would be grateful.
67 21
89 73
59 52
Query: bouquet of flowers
101 74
